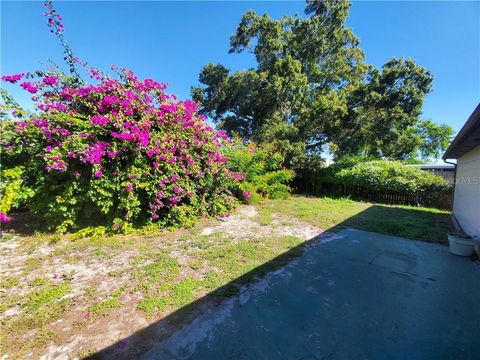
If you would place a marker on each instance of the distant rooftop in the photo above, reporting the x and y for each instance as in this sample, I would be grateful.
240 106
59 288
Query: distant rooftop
434 166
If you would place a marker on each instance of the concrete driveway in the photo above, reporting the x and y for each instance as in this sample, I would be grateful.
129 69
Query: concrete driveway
357 295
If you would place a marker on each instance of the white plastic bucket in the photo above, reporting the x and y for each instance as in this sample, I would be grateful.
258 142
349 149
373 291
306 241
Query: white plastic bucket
461 245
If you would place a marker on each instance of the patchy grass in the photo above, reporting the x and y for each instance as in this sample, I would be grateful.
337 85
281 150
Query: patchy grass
30 329
9 281
44 296
162 269
103 307
337 213
32 264
38 282
100 288
153 303
183 293
265 217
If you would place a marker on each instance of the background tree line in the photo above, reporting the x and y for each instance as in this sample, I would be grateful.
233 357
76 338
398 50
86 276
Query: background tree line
312 89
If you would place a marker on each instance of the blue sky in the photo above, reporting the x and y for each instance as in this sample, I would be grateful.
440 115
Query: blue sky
171 41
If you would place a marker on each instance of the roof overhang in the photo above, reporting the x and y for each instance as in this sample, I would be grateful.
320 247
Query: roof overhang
467 139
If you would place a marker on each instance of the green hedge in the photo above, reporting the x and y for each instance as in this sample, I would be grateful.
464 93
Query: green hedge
390 182
380 175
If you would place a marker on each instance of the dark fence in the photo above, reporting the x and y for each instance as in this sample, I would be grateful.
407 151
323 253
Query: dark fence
442 200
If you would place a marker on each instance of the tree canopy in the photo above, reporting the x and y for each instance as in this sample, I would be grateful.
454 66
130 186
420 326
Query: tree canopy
311 87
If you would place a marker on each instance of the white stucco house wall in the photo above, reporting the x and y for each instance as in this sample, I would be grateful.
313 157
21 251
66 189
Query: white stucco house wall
465 149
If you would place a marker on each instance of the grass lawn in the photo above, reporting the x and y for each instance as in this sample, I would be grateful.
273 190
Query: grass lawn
418 223
74 294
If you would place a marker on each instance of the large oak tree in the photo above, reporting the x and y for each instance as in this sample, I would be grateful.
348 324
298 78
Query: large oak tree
311 87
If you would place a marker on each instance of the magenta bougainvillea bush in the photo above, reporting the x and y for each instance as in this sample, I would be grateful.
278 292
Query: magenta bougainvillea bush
119 151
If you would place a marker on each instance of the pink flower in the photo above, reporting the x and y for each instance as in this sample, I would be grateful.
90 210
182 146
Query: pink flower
110 100
247 195
238 176
98 174
60 131
12 78
54 106
144 138
174 200
129 187
95 74
111 154
123 136
57 106
93 154
150 152
222 134
99 120
50 80
29 86
178 190
4 218
86 315
57 164
125 103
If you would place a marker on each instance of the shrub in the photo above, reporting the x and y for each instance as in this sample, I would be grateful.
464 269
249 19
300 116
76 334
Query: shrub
119 152
261 168
380 175
13 194
378 180
384 176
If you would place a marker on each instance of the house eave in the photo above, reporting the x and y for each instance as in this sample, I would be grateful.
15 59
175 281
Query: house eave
467 139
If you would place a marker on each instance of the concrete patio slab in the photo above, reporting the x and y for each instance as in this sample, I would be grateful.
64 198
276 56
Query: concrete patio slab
357 295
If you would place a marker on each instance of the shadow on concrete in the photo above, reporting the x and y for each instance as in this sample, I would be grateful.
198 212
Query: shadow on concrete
371 219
